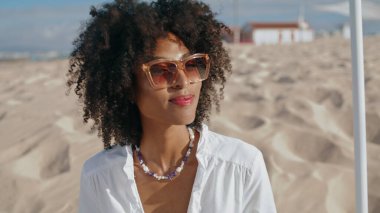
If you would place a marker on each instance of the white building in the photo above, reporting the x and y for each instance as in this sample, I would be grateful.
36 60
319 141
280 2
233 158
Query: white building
276 33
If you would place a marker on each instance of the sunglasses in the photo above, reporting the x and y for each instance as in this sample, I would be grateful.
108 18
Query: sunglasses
163 73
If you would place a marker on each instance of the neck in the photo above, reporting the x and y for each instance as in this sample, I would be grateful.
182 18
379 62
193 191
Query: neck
163 146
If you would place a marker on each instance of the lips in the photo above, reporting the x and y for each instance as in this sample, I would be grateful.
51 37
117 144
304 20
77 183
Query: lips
184 100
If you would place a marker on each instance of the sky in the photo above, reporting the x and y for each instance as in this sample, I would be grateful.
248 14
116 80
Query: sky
45 25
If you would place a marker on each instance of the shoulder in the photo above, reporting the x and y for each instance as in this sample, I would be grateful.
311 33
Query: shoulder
230 149
105 159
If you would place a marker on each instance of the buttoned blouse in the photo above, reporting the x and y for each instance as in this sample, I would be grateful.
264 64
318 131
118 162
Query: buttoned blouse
231 177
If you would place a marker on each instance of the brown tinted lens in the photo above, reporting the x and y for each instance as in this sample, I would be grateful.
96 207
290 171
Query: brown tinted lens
163 73
196 69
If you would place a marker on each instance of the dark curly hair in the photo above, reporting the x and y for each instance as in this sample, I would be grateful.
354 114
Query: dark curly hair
121 36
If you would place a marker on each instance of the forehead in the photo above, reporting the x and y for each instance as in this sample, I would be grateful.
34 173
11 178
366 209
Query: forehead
170 47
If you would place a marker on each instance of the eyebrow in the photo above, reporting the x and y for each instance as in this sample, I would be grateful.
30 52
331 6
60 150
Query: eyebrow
160 57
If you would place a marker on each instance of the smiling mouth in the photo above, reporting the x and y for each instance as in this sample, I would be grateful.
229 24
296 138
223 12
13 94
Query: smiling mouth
182 100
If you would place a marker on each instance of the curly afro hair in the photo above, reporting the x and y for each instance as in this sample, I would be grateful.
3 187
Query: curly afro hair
122 35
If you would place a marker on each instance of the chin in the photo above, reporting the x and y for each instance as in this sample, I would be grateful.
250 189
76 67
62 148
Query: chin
183 115
183 119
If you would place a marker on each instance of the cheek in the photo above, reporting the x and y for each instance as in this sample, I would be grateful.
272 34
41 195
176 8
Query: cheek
148 100
198 89
150 106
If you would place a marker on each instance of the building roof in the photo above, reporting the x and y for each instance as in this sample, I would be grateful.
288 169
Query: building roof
271 25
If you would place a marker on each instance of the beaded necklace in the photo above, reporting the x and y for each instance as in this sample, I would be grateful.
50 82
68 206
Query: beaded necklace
171 174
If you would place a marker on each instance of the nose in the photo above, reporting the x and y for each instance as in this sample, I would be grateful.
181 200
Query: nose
181 81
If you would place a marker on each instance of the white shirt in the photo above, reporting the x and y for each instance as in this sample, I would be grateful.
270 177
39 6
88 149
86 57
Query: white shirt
231 177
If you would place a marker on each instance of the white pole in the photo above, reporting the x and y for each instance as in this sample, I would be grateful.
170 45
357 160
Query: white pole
358 100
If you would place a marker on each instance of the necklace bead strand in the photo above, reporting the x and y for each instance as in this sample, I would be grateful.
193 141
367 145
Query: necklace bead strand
173 173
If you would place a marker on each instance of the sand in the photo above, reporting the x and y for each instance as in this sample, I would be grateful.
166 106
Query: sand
293 102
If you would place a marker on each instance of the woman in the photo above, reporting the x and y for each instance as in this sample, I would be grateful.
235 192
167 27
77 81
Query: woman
147 75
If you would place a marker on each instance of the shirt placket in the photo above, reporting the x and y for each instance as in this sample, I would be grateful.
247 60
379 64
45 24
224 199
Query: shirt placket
200 177
136 204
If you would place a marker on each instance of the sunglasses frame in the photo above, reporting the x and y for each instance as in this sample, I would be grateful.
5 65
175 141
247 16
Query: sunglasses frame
180 64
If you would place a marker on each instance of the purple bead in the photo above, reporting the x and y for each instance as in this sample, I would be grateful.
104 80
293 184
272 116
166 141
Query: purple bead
171 175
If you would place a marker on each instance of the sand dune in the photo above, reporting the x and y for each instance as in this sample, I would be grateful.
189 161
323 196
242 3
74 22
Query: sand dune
293 102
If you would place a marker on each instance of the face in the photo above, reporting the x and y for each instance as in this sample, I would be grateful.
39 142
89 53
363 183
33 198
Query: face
175 105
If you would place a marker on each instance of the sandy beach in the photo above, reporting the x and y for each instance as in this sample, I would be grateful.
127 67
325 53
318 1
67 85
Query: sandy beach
294 102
